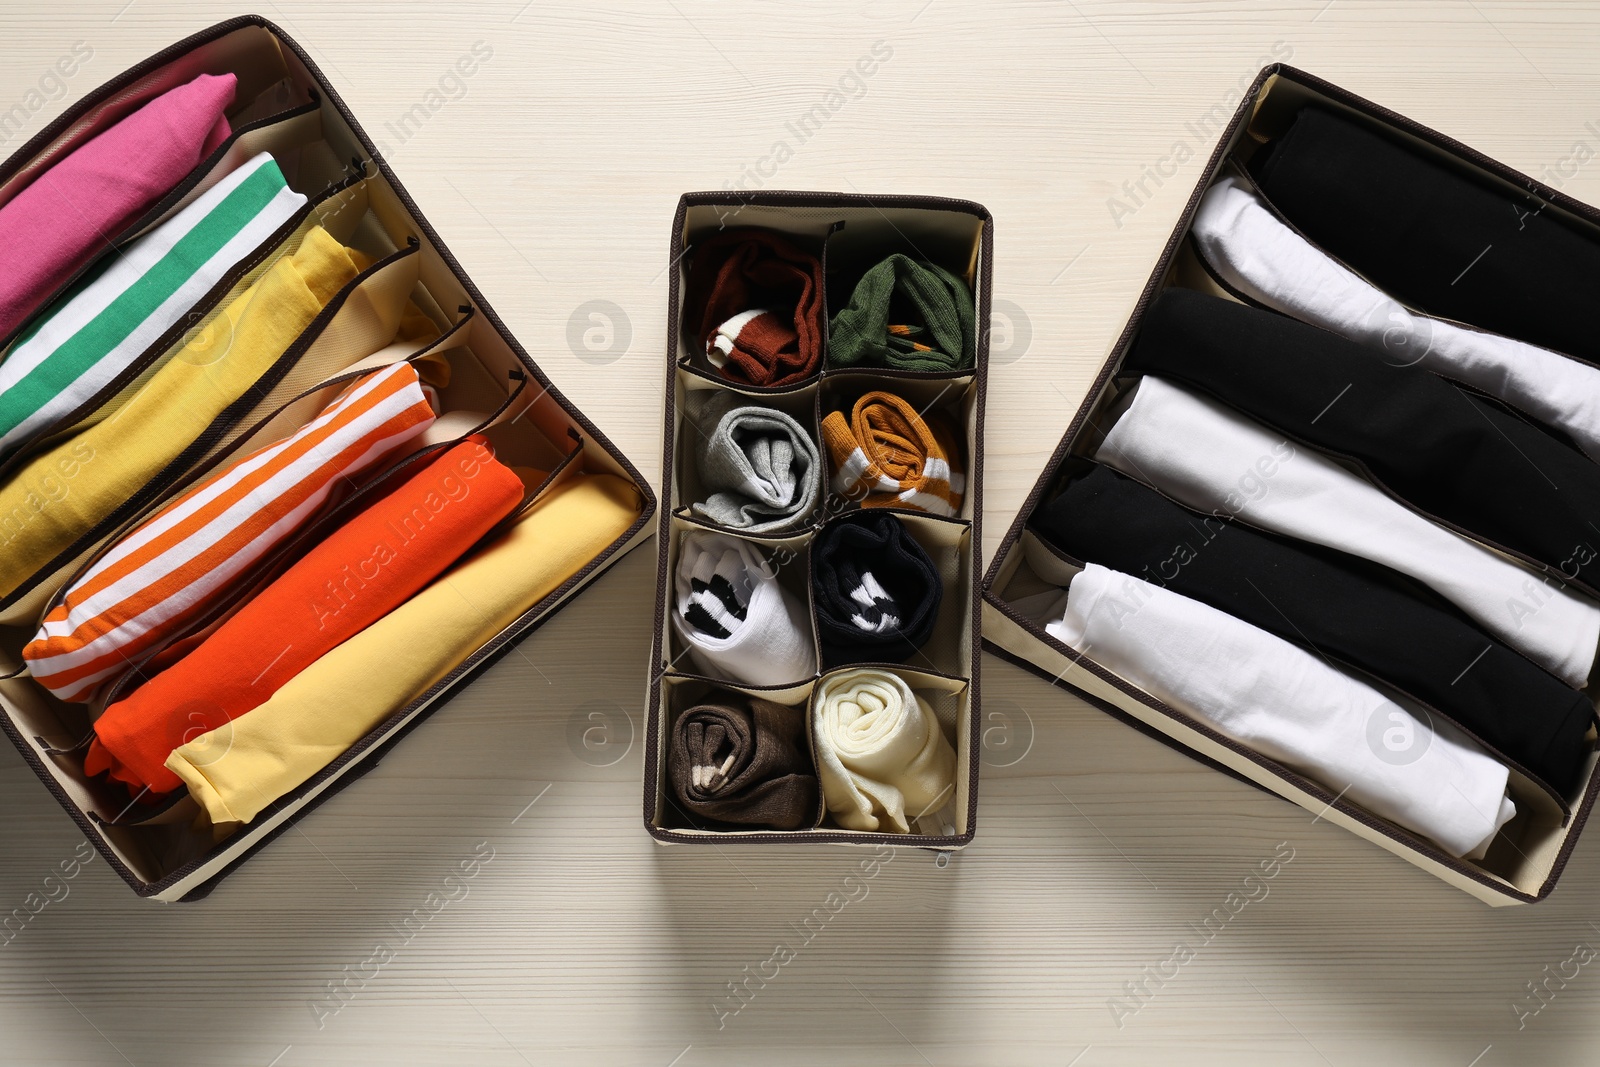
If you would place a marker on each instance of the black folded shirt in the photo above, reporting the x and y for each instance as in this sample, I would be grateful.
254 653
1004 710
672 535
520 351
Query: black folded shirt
1429 235
1448 452
1336 606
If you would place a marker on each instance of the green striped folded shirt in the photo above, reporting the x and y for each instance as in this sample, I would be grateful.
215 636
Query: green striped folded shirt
98 330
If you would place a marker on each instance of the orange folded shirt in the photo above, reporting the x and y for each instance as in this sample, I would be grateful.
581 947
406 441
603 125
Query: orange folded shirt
365 569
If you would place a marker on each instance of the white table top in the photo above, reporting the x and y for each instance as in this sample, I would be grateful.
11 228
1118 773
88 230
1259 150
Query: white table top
554 179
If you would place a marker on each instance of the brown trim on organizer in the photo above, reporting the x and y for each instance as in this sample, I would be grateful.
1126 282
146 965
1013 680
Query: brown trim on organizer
534 617
979 373
1050 474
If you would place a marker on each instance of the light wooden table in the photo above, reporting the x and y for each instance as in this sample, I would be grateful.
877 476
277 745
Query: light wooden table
581 941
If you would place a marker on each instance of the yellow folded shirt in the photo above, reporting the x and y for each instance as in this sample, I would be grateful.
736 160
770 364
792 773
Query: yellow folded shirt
64 492
238 769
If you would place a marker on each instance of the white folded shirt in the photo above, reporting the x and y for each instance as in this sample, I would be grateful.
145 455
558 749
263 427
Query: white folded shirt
739 624
1252 250
1289 705
1215 460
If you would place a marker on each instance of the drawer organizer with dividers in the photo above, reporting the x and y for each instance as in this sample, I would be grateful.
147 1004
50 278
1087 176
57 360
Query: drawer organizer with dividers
815 662
274 479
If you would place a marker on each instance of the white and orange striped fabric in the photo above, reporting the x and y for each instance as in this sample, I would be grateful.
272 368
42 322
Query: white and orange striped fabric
162 573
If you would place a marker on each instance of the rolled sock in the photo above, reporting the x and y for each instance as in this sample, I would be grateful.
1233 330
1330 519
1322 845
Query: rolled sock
1261 257
1290 706
69 213
80 345
173 565
1215 460
760 467
739 624
1333 604
886 456
65 491
875 590
361 572
743 761
238 770
905 315
754 303
1444 451
1440 240
883 760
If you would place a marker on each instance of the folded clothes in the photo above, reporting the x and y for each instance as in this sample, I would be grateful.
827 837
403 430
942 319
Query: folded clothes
1442 241
905 315
145 588
736 620
238 770
875 591
1290 706
758 465
65 491
79 346
743 761
882 757
1333 604
361 572
69 213
1453 455
1215 460
1256 254
886 456
753 302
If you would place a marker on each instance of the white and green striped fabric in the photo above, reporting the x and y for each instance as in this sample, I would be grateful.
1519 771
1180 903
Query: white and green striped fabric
124 307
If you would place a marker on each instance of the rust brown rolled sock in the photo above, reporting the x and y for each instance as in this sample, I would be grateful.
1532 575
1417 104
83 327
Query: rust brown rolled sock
753 306
743 761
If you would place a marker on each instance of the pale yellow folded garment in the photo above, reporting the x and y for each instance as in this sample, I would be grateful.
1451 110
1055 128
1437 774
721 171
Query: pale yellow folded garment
64 492
237 770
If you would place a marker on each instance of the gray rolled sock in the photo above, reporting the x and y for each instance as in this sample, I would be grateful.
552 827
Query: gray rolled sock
759 468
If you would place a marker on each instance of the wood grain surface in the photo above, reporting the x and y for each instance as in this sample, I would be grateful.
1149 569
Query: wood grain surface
552 173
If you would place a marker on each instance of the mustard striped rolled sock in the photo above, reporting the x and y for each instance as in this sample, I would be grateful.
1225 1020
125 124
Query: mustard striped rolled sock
887 456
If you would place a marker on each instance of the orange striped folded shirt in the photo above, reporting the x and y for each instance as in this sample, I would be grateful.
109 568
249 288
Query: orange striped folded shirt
163 573
887 456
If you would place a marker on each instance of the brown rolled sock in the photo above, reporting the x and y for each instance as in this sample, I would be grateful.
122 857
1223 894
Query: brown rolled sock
754 306
744 761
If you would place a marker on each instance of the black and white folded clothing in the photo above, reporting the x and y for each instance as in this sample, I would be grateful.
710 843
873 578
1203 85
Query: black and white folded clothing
1261 257
1335 605
1215 460
875 590
760 468
738 622
1442 241
1289 705
742 761
882 756
1450 454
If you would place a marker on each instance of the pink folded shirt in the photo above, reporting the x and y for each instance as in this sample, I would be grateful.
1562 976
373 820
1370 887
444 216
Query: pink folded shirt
70 212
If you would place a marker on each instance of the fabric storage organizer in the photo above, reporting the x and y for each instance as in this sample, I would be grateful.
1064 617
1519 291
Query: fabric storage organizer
933 243
406 312
1244 247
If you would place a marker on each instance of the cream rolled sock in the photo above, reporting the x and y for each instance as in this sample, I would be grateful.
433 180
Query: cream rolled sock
1257 254
739 624
883 760
1290 706
1215 460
